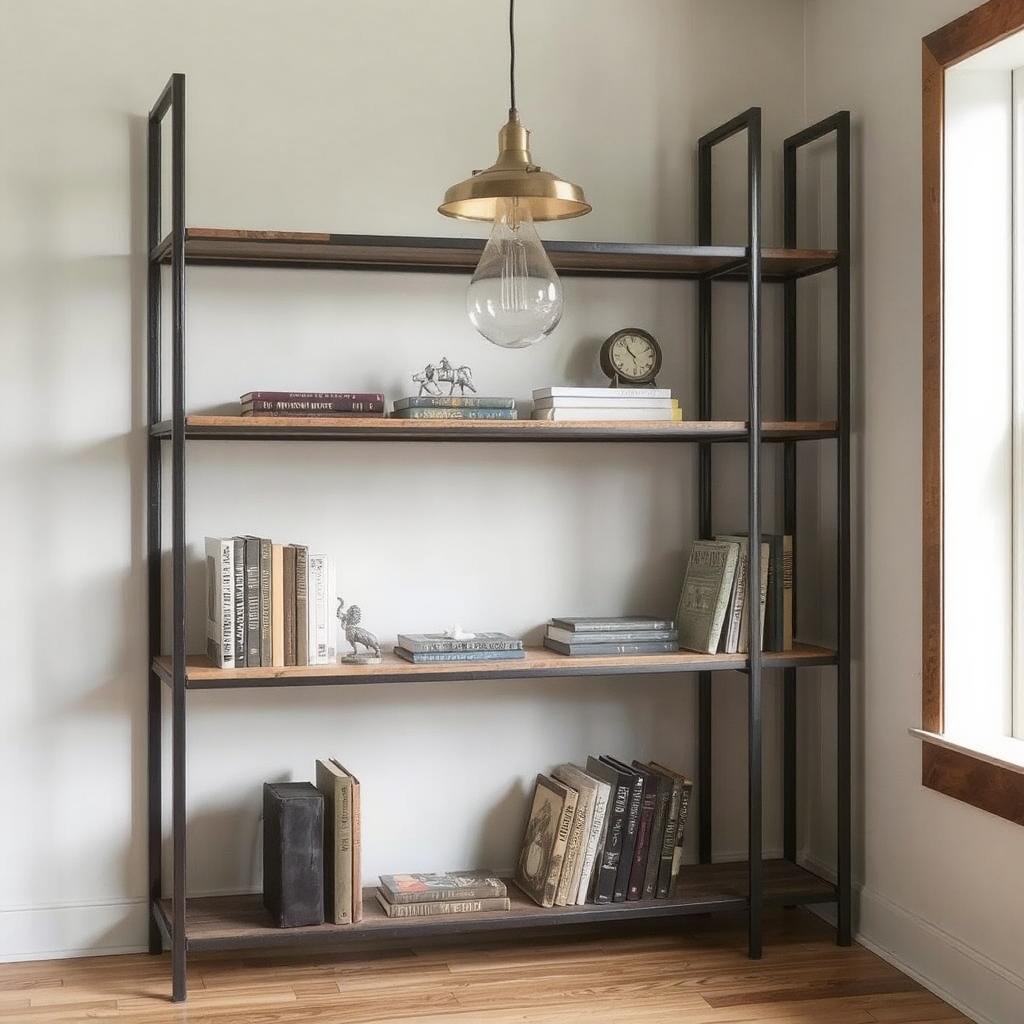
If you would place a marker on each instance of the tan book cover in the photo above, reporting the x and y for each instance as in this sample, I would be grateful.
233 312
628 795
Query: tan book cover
542 855
336 786
707 588
576 851
277 605
357 849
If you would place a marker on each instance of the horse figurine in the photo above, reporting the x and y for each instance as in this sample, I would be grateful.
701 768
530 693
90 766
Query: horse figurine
355 634
431 377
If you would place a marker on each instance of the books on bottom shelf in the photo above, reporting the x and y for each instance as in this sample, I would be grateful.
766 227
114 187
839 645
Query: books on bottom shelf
609 832
441 895
432 648
713 605
571 403
618 635
268 604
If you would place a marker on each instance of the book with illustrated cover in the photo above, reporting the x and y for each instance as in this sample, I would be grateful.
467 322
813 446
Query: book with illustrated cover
576 851
603 888
301 604
653 647
427 888
266 606
238 561
453 402
442 907
220 601
252 601
704 600
438 643
566 391
626 636
290 640
437 657
336 786
631 827
539 866
454 414
616 623
277 605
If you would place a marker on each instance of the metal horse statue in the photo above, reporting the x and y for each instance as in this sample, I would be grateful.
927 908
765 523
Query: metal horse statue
354 633
431 377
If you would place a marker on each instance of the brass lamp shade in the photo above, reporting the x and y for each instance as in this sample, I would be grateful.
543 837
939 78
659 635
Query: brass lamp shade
514 175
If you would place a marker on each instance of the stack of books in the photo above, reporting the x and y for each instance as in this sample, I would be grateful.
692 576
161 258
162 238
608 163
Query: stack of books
441 895
425 648
311 403
712 612
607 833
268 604
454 407
625 634
569 403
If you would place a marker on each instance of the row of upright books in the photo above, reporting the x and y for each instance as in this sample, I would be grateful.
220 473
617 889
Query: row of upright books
611 832
268 604
617 635
712 613
572 403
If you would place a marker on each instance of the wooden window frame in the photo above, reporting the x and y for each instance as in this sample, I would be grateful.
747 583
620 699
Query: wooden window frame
972 779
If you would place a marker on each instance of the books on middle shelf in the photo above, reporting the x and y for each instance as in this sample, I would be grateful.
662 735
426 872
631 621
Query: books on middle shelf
268 604
572 403
428 648
712 613
606 832
618 635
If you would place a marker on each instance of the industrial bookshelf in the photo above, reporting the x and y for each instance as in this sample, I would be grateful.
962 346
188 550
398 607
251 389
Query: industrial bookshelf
238 921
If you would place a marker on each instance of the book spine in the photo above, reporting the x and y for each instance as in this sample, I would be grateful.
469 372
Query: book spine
332 604
312 396
453 402
645 826
478 892
220 616
639 636
787 592
597 822
596 626
560 845
455 414
357 853
775 623
318 609
684 811
289 605
276 605
453 646
301 605
655 647
668 844
611 853
325 406
657 839
567 391
629 839
265 569
239 603
735 640
300 414
252 601
429 659
435 909
343 878
568 884
724 592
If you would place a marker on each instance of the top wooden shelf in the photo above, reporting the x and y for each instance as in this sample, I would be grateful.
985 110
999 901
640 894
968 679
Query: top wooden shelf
224 247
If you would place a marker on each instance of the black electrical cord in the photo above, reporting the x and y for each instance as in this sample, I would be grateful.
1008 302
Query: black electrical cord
512 54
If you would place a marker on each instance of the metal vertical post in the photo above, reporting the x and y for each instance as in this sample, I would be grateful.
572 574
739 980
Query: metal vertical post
178 526
789 709
153 527
754 523
704 498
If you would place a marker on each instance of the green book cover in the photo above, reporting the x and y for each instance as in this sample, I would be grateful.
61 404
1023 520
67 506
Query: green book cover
705 595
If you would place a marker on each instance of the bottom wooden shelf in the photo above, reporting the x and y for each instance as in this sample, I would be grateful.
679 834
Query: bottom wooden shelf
240 922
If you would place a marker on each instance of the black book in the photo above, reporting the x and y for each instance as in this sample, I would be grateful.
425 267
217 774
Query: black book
648 803
239 545
668 844
293 853
629 836
607 868
252 601
266 602
662 790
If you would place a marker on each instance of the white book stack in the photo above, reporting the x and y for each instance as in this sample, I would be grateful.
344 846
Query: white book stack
615 404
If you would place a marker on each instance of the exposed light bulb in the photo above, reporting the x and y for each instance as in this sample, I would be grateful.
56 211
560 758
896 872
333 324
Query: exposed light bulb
515 297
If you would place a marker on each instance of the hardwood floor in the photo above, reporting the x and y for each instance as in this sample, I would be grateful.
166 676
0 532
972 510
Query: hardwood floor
690 972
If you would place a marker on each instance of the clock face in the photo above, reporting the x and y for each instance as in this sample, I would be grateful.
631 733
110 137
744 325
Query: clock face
634 356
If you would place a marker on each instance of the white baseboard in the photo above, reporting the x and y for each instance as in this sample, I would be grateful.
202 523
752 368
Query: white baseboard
978 986
54 932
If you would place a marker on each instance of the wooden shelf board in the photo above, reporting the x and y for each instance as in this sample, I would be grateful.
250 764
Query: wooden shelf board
201 674
308 428
240 922
213 246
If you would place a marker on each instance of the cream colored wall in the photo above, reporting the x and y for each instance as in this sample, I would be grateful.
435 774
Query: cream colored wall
940 881
347 117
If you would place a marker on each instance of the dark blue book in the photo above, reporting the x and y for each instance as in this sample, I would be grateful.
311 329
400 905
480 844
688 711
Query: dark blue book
430 657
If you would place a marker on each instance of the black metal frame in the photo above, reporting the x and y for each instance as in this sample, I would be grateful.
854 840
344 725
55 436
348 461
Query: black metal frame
170 927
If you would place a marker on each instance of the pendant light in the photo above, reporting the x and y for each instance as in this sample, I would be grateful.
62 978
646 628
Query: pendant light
515 297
